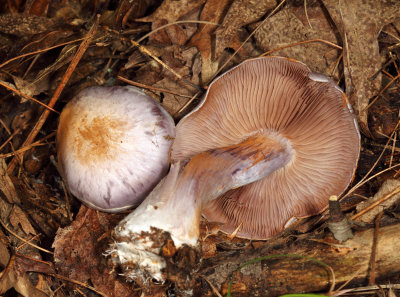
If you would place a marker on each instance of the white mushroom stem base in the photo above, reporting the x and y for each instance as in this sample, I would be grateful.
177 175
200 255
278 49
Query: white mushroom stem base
175 204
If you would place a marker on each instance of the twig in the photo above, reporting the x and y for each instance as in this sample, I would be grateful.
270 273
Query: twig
145 51
175 23
214 289
381 92
303 42
24 240
364 179
27 148
59 276
377 202
10 138
39 124
373 250
187 103
28 97
248 38
134 83
39 51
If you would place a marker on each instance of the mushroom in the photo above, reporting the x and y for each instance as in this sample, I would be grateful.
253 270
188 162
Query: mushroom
113 146
270 142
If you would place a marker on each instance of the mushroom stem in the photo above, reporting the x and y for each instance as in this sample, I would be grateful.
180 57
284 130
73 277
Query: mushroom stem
175 204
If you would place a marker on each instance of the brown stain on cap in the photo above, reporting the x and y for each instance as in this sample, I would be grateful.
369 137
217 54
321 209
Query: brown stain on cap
92 140
99 139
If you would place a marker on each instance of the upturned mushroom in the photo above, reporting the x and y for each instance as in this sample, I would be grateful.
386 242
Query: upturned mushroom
113 146
270 142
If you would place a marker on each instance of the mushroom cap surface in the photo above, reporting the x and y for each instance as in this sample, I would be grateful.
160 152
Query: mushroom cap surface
113 146
285 99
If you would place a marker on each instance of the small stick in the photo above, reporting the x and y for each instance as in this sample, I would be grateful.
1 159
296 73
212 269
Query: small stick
377 202
134 83
338 223
373 251
79 54
39 51
27 97
23 239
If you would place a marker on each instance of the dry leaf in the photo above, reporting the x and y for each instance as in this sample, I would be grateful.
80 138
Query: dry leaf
213 12
79 253
22 25
6 185
172 10
290 25
387 187
241 13
18 217
359 23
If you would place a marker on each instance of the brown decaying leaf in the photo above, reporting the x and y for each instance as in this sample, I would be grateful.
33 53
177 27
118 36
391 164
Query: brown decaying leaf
6 185
213 11
359 23
38 7
22 25
172 10
18 217
14 276
78 252
291 25
241 13
387 187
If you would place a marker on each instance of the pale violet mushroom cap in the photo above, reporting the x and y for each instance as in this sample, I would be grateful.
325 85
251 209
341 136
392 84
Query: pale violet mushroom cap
113 146
284 99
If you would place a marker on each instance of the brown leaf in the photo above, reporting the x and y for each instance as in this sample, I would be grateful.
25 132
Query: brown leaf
18 217
79 253
39 7
241 13
387 187
15 276
213 11
290 25
22 25
6 185
359 23
172 10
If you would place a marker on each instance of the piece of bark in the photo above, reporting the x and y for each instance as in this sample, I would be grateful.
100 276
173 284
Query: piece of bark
359 23
274 277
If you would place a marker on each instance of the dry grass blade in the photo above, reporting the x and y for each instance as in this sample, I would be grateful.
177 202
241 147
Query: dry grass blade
175 23
39 51
248 37
24 240
364 179
28 147
134 83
